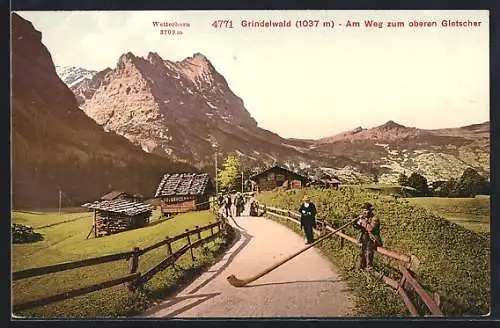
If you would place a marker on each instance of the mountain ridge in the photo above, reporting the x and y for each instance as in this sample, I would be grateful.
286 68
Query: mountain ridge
192 111
187 110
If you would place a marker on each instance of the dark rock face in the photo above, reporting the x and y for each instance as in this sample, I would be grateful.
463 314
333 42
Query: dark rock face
55 146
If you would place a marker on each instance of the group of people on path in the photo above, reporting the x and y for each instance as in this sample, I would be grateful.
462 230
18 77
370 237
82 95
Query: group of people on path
226 203
366 223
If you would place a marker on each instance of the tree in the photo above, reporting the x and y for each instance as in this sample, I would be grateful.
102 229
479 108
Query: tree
419 182
471 184
403 179
444 188
230 176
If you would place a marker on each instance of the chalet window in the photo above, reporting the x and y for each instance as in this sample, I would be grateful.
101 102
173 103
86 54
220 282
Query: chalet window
270 177
280 178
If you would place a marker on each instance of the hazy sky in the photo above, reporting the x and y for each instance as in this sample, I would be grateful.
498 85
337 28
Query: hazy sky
305 82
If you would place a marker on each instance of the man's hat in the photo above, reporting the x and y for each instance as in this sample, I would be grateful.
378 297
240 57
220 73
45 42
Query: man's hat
306 198
367 206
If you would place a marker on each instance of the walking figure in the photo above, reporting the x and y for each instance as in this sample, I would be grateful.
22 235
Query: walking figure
239 203
227 206
307 212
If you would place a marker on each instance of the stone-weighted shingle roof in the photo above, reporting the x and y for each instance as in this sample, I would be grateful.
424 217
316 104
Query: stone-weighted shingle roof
183 184
120 206
115 194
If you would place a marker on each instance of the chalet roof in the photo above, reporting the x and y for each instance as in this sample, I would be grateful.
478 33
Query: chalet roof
121 206
277 168
183 184
115 194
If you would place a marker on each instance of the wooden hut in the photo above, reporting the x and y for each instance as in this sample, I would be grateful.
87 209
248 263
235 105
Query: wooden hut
116 215
278 177
183 192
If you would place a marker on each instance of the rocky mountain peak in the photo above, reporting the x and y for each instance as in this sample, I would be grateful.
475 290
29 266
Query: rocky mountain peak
198 58
199 70
126 60
154 58
156 103
391 125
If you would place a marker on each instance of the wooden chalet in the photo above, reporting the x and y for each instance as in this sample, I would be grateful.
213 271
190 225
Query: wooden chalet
116 215
183 192
277 177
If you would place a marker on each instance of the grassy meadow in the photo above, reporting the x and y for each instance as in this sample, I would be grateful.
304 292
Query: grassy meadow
454 261
470 213
65 240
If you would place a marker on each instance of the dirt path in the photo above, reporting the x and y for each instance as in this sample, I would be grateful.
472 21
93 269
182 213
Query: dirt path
306 286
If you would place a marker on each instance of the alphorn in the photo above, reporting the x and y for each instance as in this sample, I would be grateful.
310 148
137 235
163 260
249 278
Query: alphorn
242 282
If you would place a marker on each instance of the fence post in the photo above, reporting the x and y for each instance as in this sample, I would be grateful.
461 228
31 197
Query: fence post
402 284
198 232
222 224
437 299
341 239
189 242
212 233
133 264
169 245
414 263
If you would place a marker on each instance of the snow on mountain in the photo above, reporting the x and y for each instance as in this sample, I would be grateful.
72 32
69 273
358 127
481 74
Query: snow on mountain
71 75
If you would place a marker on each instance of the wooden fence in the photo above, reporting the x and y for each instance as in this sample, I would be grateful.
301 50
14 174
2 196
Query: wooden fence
406 264
135 280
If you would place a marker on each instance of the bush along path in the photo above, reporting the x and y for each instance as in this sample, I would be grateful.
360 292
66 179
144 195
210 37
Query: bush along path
454 261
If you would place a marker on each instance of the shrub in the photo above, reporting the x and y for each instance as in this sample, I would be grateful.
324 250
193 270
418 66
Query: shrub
444 188
419 182
403 179
471 184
